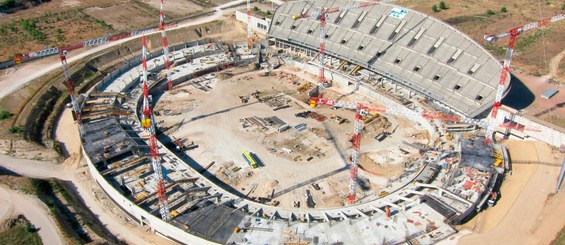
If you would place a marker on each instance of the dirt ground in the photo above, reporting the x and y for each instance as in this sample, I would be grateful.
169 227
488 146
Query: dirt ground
175 7
529 211
187 114
550 110
81 20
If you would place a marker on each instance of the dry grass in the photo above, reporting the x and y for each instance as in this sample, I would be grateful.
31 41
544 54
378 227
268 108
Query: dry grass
534 49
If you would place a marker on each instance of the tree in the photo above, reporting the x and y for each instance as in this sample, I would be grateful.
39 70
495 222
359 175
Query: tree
256 9
503 10
268 12
490 12
435 9
442 5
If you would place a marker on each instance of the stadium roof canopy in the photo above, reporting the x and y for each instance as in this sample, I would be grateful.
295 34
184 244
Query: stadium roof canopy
406 46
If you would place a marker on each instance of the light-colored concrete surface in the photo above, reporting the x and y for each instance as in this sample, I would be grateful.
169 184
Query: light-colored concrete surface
14 203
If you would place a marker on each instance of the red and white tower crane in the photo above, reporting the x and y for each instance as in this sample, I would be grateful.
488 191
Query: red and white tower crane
165 45
148 122
249 33
321 16
70 86
513 34
365 109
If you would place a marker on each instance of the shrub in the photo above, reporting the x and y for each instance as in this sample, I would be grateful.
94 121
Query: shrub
442 5
503 10
5 115
6 4
435 9
490 12
15 130
256 9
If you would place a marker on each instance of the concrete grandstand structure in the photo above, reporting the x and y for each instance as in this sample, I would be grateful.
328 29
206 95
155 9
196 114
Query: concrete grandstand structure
413 49
420 206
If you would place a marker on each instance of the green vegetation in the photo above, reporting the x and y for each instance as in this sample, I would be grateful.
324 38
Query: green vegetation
20 234
560 239
268 12
526 40
442 5
503 10
435 8
31 28
15 130
490 12
103 23
58 35
256 9
563 7
5 115
6 4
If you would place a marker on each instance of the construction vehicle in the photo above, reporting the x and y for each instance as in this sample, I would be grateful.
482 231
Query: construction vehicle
493 198
247 157
180 146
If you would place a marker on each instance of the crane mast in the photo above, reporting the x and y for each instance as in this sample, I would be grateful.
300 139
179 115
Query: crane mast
148 122
70 86
165 44
321 16
513 36
365 109
249 33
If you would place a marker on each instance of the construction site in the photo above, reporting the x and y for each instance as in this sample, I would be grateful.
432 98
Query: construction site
382 123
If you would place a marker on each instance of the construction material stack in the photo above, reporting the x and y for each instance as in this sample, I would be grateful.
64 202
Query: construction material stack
366 109
148 122
513 34
70 87
165 45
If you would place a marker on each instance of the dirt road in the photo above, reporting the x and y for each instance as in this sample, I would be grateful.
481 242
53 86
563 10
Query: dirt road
13 203
69 172
554 64
529 211
16 78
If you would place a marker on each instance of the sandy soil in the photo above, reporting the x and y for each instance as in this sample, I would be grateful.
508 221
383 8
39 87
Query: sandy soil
13 203
177 7
188 112
529 212
66 133
554 66
124 16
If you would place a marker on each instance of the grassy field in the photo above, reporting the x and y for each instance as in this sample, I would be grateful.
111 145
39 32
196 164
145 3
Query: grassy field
20 234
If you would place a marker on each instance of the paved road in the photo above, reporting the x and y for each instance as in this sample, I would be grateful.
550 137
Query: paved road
13 203
14 82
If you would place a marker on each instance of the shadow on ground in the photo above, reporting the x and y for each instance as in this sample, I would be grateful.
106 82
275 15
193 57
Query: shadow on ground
519 96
